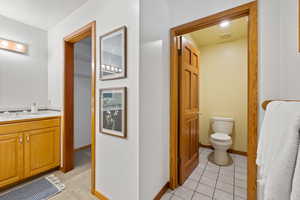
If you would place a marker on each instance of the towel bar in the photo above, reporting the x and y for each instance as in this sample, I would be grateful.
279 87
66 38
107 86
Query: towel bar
266 102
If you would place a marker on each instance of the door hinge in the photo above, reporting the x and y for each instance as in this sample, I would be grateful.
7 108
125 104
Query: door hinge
179 161
179 52
179 44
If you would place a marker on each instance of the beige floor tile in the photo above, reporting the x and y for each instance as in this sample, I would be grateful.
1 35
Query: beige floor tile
77 181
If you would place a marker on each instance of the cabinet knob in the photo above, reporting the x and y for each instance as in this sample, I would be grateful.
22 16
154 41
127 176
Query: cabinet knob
20 139
27 138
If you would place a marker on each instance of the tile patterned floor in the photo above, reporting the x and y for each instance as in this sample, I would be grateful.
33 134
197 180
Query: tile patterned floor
207 182
211 182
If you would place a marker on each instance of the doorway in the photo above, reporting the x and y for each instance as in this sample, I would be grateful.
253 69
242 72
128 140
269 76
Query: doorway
85 34
183 159
82 104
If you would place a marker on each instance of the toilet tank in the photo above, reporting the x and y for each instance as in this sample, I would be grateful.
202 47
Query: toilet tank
222 125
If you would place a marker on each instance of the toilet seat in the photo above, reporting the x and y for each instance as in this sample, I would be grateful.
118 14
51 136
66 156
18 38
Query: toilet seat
220 137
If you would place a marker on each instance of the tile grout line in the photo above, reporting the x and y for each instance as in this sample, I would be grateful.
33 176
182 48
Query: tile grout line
198 179
245 198
198 182
216 183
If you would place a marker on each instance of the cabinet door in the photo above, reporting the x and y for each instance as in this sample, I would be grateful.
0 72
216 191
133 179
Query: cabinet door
11 158
41 150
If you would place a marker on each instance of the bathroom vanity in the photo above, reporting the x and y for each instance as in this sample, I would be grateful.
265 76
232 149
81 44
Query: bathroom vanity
29 144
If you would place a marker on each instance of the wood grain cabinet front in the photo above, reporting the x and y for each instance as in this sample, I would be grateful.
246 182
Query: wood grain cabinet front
41 150
28 148
11 158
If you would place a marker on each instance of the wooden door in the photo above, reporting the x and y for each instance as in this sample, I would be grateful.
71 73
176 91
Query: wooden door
41 150
11 158
189 109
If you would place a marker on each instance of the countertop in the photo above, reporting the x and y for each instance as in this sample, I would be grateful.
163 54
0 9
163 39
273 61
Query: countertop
19 116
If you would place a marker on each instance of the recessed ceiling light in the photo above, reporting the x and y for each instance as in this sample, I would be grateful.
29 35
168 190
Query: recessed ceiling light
224 23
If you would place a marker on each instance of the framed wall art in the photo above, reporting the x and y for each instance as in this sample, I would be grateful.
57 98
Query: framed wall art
113 111
113 54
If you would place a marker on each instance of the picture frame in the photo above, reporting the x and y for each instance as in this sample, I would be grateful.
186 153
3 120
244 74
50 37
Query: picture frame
113 111
113 54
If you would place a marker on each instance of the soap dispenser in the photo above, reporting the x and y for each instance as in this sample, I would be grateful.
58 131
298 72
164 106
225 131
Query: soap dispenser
34 108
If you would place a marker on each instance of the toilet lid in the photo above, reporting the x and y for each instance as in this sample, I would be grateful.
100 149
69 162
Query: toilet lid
220 137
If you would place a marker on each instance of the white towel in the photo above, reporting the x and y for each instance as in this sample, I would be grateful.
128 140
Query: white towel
278 150
269 127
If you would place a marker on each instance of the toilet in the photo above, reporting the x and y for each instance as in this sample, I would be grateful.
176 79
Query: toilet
220 139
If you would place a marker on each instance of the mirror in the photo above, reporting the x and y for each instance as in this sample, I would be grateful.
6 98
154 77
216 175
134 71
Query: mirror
113 54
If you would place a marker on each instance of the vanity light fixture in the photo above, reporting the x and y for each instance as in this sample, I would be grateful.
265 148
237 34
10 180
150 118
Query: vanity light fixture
111 69
224 23
4 43
10 45
19 46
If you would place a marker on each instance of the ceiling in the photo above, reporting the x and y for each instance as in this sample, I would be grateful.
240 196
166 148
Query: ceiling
39 13
237 29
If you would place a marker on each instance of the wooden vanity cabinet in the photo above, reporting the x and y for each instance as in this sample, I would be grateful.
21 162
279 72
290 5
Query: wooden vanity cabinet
28 148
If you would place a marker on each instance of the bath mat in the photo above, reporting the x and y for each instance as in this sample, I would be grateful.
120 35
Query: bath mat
211 159
41 189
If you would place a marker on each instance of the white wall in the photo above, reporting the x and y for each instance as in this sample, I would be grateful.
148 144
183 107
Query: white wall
154 117
154 98
117 159
279 59
269 51
290 57
23 78
154 82
82 93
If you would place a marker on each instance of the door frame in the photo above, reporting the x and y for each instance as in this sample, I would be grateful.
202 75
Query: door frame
88 30
250 10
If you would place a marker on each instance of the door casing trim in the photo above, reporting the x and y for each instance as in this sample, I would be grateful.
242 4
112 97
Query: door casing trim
88 30
250 10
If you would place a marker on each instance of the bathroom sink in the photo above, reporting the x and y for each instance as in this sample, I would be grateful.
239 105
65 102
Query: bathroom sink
27 115
10 116
42 113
